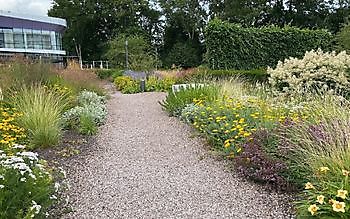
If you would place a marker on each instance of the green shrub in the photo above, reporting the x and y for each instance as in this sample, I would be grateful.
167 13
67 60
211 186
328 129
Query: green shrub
175 102
41 110
154 83
26 187
316 71
127 85
109 74
230 46
203 74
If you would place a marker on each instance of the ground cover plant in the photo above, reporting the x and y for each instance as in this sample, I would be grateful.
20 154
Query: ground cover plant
279 137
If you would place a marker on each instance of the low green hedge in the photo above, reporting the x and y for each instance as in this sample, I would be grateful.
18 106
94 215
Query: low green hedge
109 73
256 75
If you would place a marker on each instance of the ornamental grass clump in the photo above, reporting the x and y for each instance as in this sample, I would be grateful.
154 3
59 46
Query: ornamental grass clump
322 140
317 71
42 109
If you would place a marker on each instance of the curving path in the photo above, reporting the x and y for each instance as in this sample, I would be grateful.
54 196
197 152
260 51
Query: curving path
147 165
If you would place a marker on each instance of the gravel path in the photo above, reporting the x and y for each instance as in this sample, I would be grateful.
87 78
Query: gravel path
147 165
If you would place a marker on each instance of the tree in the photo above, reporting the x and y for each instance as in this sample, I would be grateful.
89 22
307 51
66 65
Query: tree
313 14
247 13
140 54
92 23
343 39
185 21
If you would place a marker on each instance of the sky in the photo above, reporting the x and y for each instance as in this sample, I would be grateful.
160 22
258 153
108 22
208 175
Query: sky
33 7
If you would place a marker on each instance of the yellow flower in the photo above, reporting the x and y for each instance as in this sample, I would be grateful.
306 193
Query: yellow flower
320 199
313 209
309 186
338 206
342 193
345 172
227 144
324 169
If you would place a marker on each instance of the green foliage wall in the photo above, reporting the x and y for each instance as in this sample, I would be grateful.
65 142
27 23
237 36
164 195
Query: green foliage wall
230 46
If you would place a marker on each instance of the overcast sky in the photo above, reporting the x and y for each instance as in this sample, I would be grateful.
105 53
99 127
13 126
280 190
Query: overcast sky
34 7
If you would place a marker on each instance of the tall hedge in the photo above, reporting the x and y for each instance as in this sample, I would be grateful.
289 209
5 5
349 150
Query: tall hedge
230 46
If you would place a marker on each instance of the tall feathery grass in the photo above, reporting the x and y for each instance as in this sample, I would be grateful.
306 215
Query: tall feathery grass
323 140
41 110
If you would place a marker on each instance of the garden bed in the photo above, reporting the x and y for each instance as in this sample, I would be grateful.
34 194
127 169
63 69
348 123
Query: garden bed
291 134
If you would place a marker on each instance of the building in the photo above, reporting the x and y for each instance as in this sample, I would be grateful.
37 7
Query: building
31 36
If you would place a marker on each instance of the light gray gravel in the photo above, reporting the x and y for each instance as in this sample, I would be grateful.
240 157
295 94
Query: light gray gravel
147 165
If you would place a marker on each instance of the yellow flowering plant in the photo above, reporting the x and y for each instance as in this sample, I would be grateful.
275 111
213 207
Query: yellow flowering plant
229 122
325 198
10 132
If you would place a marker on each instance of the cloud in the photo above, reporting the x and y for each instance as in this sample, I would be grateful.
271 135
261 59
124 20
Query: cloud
34 7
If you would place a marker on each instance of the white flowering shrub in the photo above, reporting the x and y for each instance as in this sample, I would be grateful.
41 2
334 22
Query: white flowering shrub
90 106
26 188
89 97
97 112
188 113
317 70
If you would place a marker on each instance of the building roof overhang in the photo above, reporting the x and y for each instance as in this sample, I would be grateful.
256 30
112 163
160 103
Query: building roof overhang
15 20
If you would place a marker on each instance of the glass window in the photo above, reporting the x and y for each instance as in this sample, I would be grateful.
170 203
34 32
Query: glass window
53 40
2 40
58 41
18 38
46 39
37 39
8 37
29 38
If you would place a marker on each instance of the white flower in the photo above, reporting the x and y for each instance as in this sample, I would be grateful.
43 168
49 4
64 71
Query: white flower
35 207
31 155
23 179
2 186
18 146
57 186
